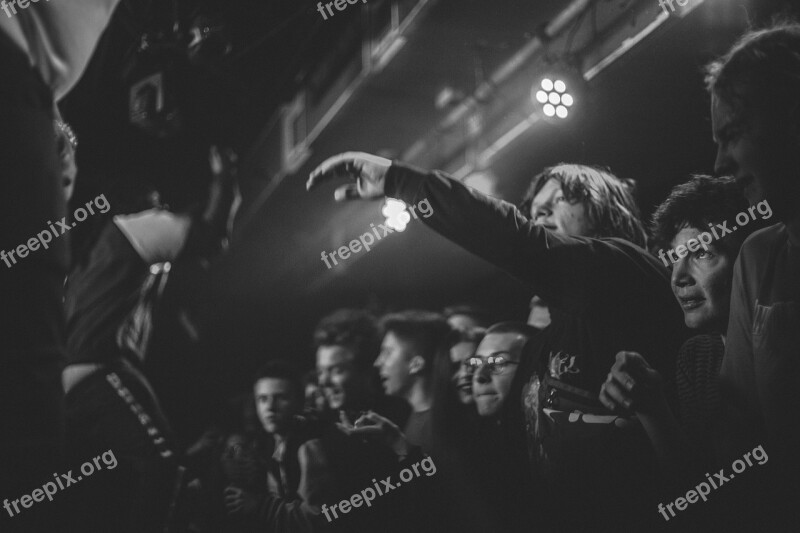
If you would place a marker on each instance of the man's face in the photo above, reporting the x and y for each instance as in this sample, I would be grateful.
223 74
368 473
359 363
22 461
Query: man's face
462 376
276 403
342 383
394 365
490 388
763 157
701 281
551 210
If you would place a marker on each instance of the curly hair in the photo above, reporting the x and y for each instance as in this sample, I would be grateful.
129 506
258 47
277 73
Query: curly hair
609 202
761 72
355 329
701 201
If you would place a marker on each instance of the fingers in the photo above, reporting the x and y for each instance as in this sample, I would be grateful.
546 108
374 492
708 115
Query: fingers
346 192
332 167
215 160
614 395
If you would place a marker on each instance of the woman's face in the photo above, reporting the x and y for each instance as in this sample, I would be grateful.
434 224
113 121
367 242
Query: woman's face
701 282
462 376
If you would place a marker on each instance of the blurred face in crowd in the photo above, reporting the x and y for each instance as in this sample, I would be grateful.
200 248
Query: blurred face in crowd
701 281
763 155
462 376
495 363
276 403
315 400
341 381
396 364
550 209
464 322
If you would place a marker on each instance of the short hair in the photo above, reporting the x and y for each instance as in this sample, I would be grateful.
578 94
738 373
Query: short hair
611 208
354 329
457 336
760 72
281 369
701 201
426 331
481 315
521 328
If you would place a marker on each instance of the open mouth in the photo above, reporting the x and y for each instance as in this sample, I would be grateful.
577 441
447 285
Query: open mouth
691 303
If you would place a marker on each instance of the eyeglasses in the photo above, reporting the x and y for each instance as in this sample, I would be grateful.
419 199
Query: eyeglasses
495 363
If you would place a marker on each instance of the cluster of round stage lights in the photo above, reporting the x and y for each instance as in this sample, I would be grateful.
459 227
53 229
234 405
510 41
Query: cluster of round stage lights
554 98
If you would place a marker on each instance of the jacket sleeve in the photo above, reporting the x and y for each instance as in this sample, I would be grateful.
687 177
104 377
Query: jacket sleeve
303 515
567 271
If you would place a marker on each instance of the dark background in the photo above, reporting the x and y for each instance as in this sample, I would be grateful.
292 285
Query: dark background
646 117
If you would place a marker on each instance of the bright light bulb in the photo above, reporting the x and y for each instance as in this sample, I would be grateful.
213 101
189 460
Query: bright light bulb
560 86
566 99
547 85
554 99
541 97
561 111
549 110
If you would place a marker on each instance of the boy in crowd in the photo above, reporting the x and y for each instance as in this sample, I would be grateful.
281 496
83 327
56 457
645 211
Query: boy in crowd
410 344
347 342
755 111
604 294
298 476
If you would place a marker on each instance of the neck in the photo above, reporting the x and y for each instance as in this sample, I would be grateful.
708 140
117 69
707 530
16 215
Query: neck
419 395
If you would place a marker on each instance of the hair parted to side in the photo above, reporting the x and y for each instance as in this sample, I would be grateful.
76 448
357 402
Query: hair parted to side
760 73
701 201
281 369
426 331
354 329
609 201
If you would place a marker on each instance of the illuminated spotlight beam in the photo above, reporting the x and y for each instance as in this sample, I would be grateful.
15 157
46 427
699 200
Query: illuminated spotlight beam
507 138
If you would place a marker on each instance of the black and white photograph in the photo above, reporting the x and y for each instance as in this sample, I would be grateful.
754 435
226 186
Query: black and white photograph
399 266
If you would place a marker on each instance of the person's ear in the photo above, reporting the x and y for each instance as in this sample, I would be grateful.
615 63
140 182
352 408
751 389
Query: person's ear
416 365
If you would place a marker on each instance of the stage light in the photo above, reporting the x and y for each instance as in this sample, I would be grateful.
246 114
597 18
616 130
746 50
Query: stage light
553 97
396 215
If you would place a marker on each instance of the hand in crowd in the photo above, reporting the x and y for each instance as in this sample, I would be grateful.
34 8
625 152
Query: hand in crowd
368 171
632 385
374 425
239 501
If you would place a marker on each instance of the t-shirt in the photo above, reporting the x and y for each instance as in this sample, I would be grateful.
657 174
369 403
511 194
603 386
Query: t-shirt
761 368
419 430
605 295
58 36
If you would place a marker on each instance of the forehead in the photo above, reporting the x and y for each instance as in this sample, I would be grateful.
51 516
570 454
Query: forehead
461 351
500 342
390 340
333 355
266 386
550 188
691 232
722 114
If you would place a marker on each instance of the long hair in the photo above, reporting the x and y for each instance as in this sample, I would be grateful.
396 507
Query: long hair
609 202
761 72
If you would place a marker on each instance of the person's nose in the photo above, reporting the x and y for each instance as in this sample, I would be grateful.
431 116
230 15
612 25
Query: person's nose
681 277
481 375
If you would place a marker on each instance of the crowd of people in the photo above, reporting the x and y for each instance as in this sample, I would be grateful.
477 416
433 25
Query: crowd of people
629 383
